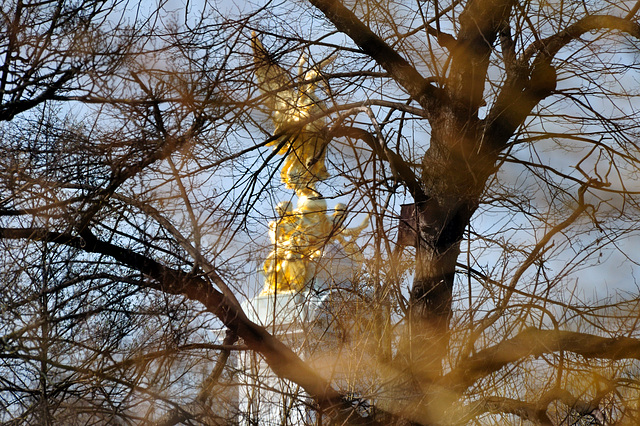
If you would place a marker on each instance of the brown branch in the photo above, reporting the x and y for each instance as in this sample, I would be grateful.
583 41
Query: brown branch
633 11
282 360
39 210
535 342
529 84
525 410
480 23
400 169
533 256
167 147
535 411
428 96
551 45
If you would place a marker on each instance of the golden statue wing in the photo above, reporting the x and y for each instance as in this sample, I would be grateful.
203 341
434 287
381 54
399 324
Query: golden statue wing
275 82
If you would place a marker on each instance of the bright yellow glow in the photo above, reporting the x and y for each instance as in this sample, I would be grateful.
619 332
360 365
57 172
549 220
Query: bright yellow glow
292 103
299 236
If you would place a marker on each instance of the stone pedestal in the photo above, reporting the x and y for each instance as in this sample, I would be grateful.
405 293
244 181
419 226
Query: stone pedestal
265 399
283 310
314 324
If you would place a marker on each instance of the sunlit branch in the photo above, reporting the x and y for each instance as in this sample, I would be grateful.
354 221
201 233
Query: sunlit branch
282 360
537 251
480 23
527 84
535 342
531 411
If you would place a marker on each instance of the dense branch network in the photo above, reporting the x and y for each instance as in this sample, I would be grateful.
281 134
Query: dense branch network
448 185
529 343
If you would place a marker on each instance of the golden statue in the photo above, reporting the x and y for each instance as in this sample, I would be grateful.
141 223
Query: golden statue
299 236
280 232
341 234
290 103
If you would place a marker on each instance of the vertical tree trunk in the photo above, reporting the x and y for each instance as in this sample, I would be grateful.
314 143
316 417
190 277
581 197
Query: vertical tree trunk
455 172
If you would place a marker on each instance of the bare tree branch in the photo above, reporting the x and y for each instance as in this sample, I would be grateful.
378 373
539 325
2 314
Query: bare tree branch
535 342
428 96
282 360
398 166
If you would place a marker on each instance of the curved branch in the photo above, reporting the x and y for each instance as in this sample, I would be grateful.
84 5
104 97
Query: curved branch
530 84
533 256
535 342
550 46
525 410
428 96
282 360
536 411
400 169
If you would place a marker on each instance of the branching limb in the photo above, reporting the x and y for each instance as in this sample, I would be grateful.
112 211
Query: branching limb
525 410
480 23
534 342
536 411
282 360
527 85
548 47
533 256
11 109
427 95
400 169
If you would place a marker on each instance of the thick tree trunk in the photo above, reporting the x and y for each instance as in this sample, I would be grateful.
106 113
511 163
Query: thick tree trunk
455 172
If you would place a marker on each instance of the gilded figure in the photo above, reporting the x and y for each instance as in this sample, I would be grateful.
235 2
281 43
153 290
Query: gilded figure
291 102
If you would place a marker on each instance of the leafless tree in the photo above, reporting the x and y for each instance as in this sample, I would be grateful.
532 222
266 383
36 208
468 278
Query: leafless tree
136 188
